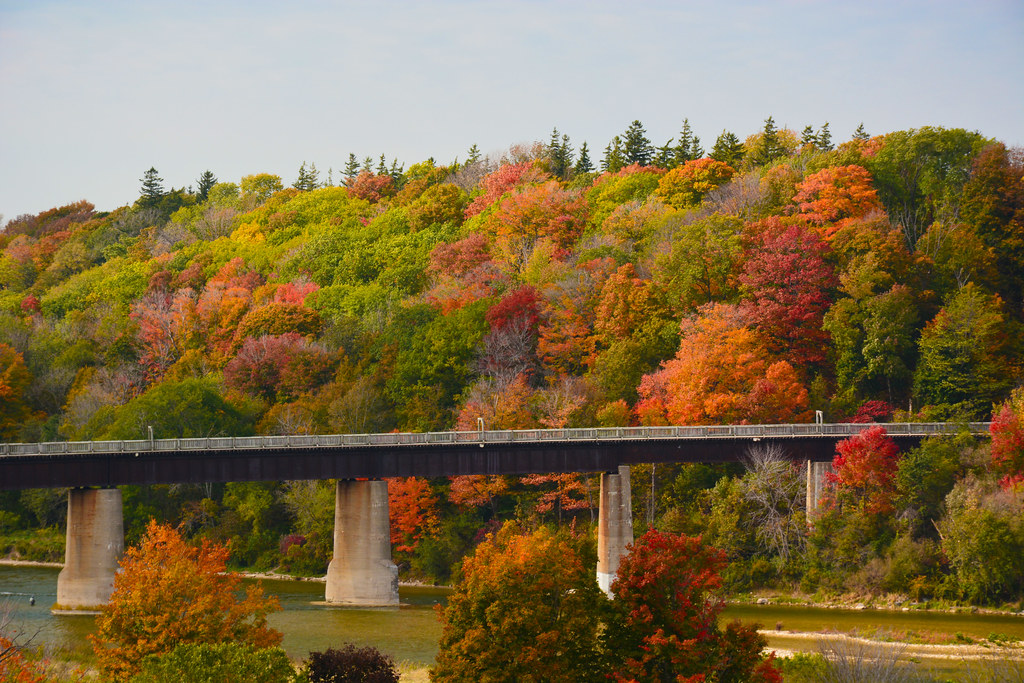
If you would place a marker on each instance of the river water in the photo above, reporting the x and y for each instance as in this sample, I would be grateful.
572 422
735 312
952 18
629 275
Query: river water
410 633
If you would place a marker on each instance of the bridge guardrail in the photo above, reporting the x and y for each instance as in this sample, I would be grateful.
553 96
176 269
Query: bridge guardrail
482 437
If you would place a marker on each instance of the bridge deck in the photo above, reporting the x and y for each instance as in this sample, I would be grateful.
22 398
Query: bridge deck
267 458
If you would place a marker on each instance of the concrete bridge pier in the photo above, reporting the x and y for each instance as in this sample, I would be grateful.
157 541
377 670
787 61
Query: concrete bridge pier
614 525
816 483
361 571
95 543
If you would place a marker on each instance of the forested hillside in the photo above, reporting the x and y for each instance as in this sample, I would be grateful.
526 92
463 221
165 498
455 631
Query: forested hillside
760 282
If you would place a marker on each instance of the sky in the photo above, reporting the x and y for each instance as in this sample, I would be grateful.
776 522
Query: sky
92 94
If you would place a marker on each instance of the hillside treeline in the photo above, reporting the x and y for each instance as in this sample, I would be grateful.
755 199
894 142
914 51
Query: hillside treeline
764 281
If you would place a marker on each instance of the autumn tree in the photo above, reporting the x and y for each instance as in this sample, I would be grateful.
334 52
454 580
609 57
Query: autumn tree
1008 440
721 374
14 380
168 592
413 512
865 470
526 608
686 185
664 618
835 194
788 285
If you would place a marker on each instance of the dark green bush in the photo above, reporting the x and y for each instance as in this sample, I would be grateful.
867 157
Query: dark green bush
350 664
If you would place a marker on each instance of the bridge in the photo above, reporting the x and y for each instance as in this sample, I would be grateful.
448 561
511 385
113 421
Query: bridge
361 571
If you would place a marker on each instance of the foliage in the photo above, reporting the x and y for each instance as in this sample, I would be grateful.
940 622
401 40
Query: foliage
226 662
350 664
178 409
963 366
722 373
526 608
865 470
1008 439
167 593
664 623
686 185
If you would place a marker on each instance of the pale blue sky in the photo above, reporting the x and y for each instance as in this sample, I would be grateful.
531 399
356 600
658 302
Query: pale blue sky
94 93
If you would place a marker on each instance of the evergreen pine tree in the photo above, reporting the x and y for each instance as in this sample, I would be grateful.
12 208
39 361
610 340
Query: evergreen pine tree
636 147
309 178
473 155
152 188
560 153
351 168
583 164
397 174
367 165
809 137
689 147
769 148
861 134
665 156
825 139
382 166
728 149
206 181
614 159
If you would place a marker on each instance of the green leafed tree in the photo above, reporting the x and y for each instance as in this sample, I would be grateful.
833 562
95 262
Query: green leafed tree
964 367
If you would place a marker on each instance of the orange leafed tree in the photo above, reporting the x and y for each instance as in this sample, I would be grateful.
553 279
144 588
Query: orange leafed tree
721 374
836 194
413 511
168 592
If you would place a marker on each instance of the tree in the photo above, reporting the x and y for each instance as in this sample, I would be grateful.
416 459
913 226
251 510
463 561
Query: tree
687 184
788 286
688 148
920 176
204 184
865 470
413 512
664 618
192 407
964 365
614 157
583 163
636 146
168 592
1008 440
836 193
526 608
721 374
703 263
260 186
728 149
309 178
560 155
351 168
15 379
152 188
769 147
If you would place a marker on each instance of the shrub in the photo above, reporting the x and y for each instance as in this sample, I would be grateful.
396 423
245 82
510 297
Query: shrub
216 663
350 664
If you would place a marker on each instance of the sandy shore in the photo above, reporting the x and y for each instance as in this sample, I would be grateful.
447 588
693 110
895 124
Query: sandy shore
7 562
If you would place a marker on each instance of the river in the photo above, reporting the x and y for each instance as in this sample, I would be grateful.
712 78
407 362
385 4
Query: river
410 633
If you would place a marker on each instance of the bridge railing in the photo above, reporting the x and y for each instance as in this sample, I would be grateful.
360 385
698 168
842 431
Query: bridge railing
328 441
